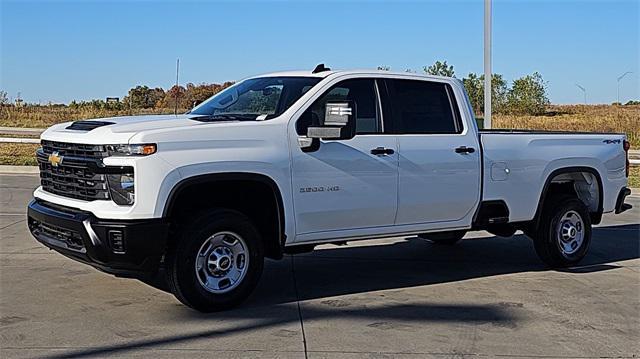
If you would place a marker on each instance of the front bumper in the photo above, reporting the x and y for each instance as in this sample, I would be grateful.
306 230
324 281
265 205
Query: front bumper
126 248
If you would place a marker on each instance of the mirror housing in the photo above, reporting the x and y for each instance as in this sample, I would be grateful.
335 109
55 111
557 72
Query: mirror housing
339 122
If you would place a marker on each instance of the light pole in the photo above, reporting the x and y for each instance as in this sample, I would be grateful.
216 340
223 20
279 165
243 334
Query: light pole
487 63
584 92
620 78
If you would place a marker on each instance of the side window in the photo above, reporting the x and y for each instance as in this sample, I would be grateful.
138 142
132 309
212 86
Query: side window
422 107
362 91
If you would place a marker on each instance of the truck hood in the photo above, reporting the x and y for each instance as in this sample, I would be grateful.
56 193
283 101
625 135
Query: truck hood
112 130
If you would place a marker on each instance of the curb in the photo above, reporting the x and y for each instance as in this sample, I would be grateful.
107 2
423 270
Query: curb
20 170
19 140
21 130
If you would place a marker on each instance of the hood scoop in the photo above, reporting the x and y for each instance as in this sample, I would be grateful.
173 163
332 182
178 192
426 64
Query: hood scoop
88 125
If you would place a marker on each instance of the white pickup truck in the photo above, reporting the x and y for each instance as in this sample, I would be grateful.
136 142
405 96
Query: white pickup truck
282 162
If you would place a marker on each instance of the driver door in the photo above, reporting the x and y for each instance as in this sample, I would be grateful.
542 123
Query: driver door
343 187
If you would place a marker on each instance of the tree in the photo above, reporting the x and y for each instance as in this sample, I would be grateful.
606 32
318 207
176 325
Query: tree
499 91
528 95
144 97
195 94
4 99
440 69
474 85
475 89
175 93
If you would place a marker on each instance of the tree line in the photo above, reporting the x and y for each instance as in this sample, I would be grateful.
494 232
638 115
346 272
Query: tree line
145 97
526 95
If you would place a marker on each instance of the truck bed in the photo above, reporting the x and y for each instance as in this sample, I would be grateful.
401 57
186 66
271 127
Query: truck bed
518 163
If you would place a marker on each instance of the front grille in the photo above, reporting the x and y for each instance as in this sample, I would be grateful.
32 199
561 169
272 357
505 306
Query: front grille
74 149
75 176
71 239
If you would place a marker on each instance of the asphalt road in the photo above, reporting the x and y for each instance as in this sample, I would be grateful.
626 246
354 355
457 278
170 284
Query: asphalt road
397 298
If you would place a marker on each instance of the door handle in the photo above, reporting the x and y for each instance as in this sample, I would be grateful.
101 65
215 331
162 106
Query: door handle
381 151
465 149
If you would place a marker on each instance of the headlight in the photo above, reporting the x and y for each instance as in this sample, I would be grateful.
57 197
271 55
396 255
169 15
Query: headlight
122 188
132 150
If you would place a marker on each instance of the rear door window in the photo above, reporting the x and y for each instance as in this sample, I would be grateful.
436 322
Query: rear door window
422 107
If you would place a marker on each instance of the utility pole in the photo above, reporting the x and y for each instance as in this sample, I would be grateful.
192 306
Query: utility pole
584 92
487 63
620 78
175 111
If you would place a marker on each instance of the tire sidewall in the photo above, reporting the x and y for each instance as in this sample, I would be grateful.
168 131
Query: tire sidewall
186 281
559 210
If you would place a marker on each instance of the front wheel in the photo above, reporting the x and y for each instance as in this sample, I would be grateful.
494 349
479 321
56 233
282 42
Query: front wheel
216 261
564 233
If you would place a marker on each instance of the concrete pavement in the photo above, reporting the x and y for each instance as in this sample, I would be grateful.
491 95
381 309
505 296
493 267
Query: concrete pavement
392 298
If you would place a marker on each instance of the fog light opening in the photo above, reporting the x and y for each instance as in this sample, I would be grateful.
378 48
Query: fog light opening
116 240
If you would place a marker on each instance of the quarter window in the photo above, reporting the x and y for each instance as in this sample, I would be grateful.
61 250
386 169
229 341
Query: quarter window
422 107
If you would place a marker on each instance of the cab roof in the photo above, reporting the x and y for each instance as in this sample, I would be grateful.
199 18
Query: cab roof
323 74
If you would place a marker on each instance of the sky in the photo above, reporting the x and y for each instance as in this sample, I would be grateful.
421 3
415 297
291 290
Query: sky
58 51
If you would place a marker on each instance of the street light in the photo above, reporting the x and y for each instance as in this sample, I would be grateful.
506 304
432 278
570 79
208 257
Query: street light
584 92
620 78
487 63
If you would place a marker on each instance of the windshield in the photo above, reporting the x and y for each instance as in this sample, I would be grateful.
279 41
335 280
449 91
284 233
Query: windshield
258 98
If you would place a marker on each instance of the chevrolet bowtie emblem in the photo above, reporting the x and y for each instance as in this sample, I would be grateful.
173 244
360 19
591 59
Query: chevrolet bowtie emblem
55 159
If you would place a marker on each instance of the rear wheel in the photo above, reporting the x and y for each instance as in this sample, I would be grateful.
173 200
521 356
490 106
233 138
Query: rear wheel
564 234
444 238
216 262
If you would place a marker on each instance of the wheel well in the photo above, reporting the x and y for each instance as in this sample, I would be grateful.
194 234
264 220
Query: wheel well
255 196
582 182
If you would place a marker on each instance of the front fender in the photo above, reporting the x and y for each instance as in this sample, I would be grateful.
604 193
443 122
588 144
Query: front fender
228 170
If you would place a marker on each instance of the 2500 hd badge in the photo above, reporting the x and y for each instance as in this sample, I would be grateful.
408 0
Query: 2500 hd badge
320 189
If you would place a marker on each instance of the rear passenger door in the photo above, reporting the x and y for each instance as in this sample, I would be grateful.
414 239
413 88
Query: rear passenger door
439 163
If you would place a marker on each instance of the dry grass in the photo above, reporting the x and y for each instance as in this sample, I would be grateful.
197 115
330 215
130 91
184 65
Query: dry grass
601 118
45 116
634 177
18 154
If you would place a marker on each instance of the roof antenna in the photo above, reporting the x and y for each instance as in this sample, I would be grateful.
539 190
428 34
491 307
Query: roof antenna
320 68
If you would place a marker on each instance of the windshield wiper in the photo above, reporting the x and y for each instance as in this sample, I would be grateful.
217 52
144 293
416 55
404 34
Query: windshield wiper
224 117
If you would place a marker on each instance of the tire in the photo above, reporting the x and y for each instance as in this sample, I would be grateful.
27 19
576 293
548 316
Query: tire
564 232
444 238
216 261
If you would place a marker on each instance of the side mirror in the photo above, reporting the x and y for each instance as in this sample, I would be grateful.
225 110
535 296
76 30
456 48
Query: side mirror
339 122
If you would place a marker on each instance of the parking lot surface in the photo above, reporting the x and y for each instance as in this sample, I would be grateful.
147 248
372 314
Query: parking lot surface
393 298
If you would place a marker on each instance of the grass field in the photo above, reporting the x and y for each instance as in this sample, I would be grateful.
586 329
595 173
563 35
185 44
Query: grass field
18 154
596 118
45 116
